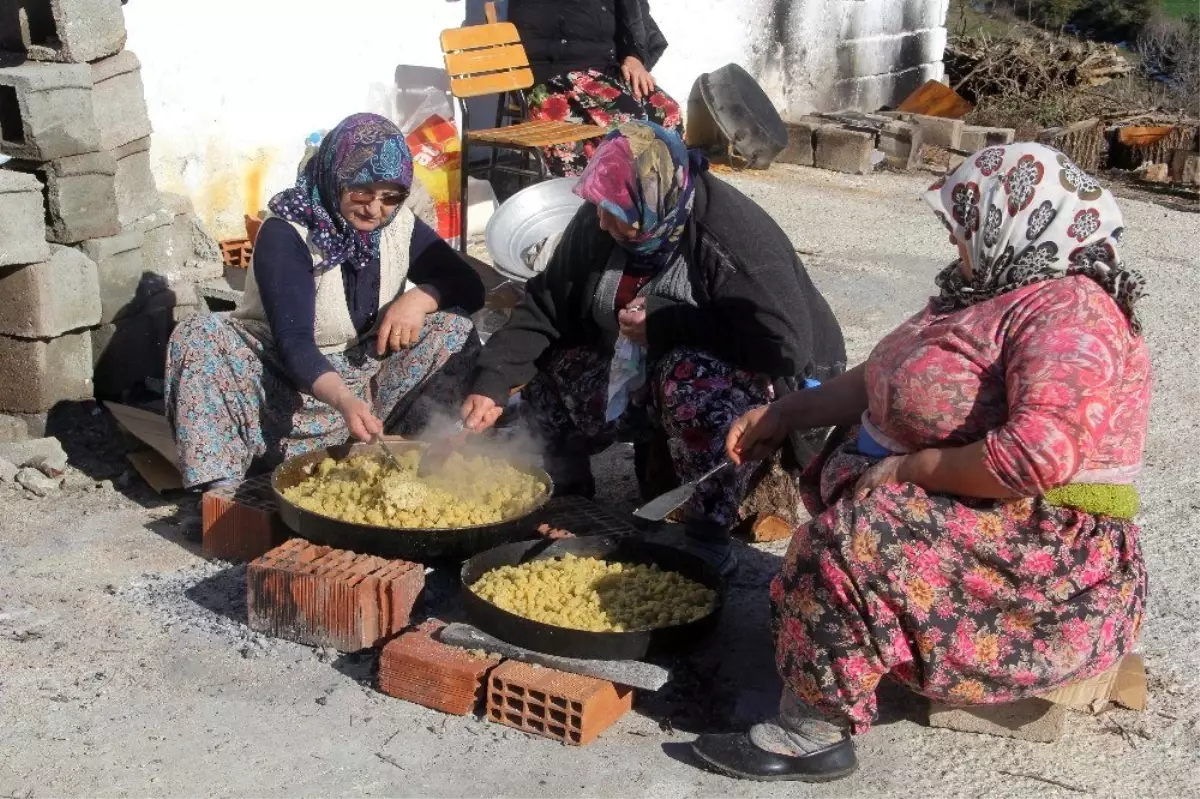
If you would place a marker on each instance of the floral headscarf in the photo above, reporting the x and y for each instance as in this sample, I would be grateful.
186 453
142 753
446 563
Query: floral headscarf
1027 213
642 174
363 148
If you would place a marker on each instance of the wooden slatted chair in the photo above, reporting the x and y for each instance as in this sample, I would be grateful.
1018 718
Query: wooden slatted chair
489 59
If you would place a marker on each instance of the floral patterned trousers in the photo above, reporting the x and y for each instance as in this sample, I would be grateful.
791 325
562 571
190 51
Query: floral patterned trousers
691 397
964 601
233 409
594 98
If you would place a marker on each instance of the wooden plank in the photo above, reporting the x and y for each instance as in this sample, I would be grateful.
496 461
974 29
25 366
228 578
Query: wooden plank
147 427
936 99
489 59
471 37
1143 135
159 473
518 136
489 12
491 83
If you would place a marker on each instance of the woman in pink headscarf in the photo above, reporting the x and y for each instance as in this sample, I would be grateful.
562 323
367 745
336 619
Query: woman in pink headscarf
972 533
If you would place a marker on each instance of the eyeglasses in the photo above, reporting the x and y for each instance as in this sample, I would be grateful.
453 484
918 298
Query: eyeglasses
388 199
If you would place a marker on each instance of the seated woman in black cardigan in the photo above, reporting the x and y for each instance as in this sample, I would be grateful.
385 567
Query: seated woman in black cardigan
669 266
591 63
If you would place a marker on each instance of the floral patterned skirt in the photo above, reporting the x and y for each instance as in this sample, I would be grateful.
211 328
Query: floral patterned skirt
691 397
233 409
594 98
964 601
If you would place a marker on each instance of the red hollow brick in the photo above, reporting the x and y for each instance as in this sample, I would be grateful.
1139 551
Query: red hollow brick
419 669
566 707
320 596
241 522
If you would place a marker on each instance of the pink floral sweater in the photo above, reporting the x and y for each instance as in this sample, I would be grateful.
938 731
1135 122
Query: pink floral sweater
1049 375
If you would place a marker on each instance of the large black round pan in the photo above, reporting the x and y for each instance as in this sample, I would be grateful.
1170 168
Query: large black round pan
552 640
416 544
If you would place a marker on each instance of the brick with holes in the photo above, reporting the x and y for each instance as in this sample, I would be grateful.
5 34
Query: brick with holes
241 522
565 707
418 668
319 596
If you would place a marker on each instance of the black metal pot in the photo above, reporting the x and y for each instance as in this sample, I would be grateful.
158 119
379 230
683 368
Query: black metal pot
744 114
415 544
565 642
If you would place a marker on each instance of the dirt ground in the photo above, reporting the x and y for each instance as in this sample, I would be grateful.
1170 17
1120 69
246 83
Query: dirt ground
126 668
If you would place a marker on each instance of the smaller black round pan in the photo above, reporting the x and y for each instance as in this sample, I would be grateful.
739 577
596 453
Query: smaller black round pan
565 642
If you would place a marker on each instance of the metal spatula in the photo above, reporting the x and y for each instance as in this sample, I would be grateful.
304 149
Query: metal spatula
387 451
660 507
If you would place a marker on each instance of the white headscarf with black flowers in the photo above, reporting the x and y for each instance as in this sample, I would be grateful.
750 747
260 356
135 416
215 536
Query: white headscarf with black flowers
1027 213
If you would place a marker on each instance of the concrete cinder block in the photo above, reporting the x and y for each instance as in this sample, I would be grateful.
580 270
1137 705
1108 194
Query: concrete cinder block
877 91
48 299
882 18
80 196
22 209
896 141
119 100
122 271
801 143
162 253
1027 720
50 372
12 430
46 110
1185 167
76 31
975 138
940 132
132 349
879 55
137 196
843 150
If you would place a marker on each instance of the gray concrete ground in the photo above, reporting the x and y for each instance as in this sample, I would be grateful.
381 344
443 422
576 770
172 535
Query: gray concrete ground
125 668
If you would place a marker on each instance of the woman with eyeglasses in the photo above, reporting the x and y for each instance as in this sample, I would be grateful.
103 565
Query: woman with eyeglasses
354 319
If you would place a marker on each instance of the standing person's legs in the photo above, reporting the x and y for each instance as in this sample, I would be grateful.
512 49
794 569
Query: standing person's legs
594 98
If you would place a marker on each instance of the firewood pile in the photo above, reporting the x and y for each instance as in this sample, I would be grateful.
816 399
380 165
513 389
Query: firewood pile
984 65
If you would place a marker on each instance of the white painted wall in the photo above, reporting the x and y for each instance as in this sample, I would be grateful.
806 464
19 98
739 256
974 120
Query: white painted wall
234 86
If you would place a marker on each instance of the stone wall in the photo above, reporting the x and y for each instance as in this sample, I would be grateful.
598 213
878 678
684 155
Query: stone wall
95 264
821 55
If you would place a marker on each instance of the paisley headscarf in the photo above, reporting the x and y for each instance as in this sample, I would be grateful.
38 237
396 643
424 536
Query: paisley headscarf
643 175
363 148
1027 213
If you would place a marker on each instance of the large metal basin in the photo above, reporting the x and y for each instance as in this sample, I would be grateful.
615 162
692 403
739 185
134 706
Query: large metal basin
526 218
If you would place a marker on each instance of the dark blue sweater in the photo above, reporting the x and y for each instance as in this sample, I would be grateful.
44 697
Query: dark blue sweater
283 269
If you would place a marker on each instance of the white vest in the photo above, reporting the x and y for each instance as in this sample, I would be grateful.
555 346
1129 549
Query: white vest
332 326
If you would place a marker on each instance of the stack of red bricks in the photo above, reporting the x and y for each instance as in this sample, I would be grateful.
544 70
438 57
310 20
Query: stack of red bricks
570 708
320 596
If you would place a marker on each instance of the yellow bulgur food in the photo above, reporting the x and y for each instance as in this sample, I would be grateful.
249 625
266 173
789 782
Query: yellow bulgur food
596 595
469 490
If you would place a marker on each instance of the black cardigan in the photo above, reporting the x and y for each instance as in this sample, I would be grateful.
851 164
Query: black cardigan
562 36
756 306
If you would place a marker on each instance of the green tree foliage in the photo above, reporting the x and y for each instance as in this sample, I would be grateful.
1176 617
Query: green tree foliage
1114 20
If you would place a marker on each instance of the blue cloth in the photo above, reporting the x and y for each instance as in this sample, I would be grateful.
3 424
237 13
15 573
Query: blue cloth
870 447
283 269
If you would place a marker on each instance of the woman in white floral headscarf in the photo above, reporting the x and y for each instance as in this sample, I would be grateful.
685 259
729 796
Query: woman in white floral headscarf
972 532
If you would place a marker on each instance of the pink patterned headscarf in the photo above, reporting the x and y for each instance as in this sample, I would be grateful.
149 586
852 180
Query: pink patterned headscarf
1027 213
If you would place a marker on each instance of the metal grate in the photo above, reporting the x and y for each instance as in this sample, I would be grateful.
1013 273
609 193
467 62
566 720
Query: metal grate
584 517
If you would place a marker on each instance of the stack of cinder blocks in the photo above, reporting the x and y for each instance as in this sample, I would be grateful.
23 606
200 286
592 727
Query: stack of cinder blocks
94 261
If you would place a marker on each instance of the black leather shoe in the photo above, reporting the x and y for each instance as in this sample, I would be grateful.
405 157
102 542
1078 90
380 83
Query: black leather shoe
735 755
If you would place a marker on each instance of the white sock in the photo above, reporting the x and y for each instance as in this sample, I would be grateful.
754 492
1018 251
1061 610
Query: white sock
797 730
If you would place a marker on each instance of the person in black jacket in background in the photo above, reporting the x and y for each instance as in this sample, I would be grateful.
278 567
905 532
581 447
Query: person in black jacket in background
591 63
688 273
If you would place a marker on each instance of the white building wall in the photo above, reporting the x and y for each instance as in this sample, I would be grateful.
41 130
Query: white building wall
234 86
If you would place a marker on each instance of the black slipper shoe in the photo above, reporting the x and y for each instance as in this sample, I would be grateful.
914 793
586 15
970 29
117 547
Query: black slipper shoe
735 755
